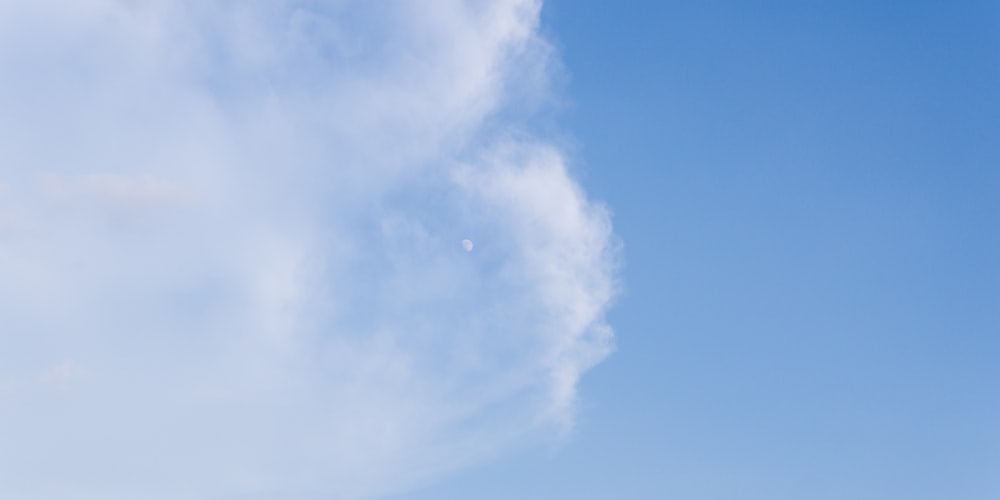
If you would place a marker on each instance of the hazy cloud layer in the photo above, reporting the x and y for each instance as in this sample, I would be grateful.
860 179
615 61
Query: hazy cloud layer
231 258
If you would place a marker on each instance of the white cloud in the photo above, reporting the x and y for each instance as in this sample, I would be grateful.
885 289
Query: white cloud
239 221
125 191
60 376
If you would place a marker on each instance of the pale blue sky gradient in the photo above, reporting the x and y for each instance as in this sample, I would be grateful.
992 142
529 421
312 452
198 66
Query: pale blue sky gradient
809 196
231 261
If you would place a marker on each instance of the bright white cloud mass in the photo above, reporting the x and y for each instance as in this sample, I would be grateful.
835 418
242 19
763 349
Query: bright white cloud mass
228 259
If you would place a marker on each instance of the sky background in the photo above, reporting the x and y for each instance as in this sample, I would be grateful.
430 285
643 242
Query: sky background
721 250
809 196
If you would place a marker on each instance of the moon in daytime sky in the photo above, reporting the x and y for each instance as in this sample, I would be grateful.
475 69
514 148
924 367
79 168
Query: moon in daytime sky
467 245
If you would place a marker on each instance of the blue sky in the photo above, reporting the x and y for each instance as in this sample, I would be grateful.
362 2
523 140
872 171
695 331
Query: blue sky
721 250
809 196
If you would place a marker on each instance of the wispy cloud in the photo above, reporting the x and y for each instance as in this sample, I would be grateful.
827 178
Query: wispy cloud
231 233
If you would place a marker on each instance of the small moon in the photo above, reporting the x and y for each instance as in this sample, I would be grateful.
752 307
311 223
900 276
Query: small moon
467 245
